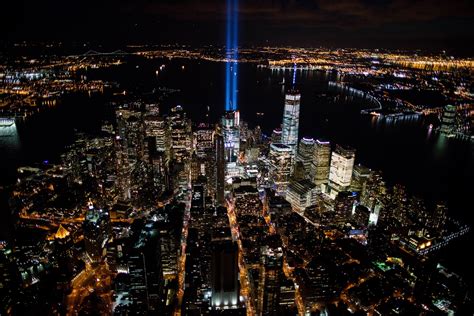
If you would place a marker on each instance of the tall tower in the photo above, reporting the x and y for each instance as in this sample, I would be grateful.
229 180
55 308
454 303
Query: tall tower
224 274
281 162
96 228
342 164
231 129
130 150
291 117
448 120
204 160
220 166
322 157
181 135
158 145
156 127
305 155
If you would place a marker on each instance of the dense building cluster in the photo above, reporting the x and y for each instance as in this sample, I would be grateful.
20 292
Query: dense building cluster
161 215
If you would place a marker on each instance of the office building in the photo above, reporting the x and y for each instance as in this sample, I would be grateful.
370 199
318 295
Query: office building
301 194
321 162
220 166
342 164
156 128
96 228
306 156
360 175
280 166
231 133
291 118
180 134
224 274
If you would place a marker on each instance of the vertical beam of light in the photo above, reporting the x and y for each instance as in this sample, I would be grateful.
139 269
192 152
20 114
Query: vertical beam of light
231 55
227 55
294 75
235 53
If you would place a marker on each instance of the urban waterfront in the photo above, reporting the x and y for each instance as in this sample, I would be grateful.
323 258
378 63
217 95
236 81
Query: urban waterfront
241 158
406 151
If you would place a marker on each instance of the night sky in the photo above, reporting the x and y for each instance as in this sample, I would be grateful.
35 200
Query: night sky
340 23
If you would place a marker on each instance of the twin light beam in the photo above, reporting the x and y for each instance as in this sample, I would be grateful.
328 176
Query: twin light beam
231 68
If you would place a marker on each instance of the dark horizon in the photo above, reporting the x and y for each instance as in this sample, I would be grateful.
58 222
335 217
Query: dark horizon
391 24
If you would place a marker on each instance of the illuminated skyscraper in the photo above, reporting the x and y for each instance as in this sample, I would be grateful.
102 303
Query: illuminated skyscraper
306 155
204 139
156 128
342 163
96 228
180 132
220 165
158 146
322 157
374 190
204 159
360 174
281 162
225 270
230 125
130 149
448 120
291 119
131 131
181 147
301 194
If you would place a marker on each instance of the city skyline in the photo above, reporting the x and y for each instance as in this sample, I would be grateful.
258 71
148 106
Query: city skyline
214 176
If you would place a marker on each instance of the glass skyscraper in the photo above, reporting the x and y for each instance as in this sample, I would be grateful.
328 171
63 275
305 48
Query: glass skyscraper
291 119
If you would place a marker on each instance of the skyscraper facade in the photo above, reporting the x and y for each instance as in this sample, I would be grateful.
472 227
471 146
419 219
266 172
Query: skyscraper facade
306 155
360 174
204 160
448 120
301 194
342 163
231 129
291 119
322 157
225 284
220 165
96 228
157 129
180 132
130 149
281 163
